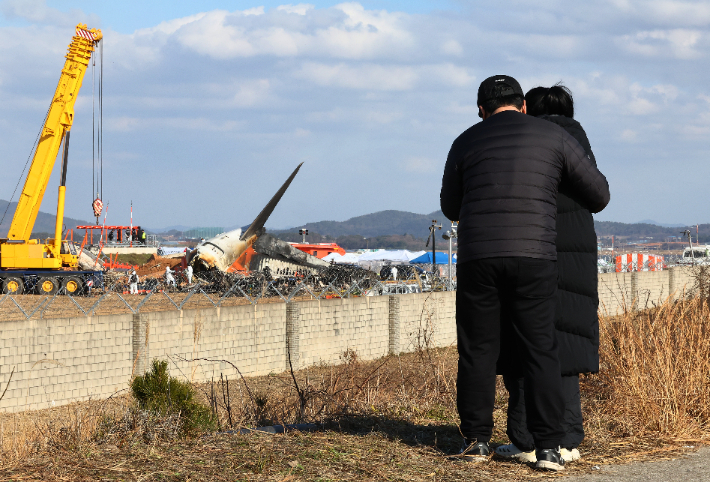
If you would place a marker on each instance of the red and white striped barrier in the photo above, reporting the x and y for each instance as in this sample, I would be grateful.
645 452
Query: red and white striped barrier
639 262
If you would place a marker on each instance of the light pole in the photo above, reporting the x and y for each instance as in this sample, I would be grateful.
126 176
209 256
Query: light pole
450 235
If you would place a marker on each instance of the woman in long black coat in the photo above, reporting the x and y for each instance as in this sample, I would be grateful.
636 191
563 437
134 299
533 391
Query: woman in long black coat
576 320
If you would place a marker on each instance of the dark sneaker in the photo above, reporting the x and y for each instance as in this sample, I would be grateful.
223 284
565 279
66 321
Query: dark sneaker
550 459
474 451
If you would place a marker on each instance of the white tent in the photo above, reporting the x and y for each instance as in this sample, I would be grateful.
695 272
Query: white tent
167 251
375 260
347 258
399 256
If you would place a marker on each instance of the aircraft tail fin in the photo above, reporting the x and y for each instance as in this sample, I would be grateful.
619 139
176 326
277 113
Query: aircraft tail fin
257 225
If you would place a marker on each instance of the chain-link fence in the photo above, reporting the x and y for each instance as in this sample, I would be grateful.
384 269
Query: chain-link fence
215 289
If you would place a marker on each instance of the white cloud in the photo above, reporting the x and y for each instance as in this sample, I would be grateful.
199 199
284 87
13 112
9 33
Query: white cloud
37 11
251 93
253 11
344 31
132 124
679 43
451 47
366 76
451 74
299 9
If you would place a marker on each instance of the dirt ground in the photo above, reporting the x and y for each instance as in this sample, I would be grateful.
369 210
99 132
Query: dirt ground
155 266
388 419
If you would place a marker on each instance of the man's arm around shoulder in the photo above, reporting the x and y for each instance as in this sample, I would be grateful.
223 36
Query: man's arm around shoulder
583 176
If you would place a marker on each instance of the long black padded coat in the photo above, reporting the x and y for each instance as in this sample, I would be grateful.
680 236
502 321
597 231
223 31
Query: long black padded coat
576 319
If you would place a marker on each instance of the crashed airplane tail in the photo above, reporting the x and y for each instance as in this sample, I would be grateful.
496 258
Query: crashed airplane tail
258 224
223 250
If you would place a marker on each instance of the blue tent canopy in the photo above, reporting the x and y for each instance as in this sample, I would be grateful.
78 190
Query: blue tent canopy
441 258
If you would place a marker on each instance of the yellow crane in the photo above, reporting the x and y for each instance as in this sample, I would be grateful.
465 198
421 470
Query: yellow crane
27 263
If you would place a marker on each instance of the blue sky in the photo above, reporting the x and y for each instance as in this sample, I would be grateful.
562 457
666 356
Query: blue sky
129 15
210 105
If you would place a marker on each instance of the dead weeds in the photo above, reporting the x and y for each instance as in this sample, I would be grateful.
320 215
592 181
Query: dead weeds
388 419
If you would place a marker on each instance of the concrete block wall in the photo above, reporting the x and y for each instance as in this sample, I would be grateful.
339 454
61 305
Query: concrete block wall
642 289
427 320
58 361
328 328
253 337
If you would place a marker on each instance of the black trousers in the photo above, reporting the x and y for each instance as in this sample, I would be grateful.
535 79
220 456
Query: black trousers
527 287
571 421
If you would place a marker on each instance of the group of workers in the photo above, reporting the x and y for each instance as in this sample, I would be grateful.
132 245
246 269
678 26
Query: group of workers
140 237
134 279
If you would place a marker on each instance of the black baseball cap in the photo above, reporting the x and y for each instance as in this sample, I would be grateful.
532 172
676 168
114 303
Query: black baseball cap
498 86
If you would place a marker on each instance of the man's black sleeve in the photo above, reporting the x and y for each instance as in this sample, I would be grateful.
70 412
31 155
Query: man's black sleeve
452 186
583 176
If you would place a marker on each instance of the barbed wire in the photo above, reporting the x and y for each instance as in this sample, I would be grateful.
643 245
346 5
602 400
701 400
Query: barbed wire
215 288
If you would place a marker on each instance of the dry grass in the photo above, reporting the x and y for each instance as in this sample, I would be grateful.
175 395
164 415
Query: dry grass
655 372
387 419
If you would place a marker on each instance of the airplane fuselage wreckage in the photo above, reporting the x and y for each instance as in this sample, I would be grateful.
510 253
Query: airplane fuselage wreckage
220 252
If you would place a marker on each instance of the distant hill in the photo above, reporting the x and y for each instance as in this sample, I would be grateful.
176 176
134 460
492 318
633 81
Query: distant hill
388 229
176 228
656 223
382 223
637 230
44 224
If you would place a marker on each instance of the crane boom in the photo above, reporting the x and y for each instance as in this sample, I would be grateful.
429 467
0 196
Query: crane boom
18 251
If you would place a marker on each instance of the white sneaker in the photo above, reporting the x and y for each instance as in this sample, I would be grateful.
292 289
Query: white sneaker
570 455
512 452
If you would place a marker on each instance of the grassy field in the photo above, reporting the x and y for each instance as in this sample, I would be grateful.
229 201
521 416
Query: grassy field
387 419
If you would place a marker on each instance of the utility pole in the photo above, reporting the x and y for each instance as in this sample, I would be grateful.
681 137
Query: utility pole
688 233
432 236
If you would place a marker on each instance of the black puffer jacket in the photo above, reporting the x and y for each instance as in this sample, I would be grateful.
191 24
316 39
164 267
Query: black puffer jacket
501 182
576 319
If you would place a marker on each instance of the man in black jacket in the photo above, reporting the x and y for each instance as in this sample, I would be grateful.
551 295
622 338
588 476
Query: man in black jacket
500 182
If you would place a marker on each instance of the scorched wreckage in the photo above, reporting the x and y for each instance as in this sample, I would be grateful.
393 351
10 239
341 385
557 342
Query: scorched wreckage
220 253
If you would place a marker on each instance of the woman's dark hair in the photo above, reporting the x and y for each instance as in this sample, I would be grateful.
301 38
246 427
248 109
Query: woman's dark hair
555 100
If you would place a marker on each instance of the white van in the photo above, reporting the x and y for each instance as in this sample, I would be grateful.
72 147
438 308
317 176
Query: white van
698 255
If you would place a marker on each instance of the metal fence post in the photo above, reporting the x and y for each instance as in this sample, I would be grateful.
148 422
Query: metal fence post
141 344
293 328
394 324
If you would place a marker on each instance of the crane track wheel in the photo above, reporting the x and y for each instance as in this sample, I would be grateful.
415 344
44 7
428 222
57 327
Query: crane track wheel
13 285
47 286
72 285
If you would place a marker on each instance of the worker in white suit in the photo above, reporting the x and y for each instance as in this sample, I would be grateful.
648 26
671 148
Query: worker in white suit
169 280
188 274
133 283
